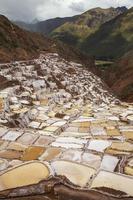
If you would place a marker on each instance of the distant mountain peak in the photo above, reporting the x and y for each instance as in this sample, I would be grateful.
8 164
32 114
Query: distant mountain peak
35 21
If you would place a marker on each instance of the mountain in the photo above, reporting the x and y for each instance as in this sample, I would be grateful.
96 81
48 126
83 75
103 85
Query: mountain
86 24
19 44
112 39
45 27
26 26
95 32
91 32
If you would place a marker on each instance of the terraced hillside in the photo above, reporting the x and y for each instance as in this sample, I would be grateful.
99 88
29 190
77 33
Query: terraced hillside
63 135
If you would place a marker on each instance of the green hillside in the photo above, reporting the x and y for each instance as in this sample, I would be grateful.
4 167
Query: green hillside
76 32
112 39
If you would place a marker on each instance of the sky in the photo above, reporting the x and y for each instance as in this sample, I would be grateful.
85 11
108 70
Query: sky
29 10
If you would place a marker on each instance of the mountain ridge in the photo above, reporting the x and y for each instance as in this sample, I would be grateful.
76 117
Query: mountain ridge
86 24
78 30
59 20
45 27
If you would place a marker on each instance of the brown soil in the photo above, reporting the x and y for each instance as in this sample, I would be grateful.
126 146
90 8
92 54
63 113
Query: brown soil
4 83
119 77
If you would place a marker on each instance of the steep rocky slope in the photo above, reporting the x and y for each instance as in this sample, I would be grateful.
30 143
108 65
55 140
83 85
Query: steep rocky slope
16 43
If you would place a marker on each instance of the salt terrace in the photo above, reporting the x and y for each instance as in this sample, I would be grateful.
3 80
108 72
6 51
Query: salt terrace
62 134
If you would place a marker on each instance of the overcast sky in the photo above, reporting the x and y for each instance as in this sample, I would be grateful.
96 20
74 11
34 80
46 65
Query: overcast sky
28 10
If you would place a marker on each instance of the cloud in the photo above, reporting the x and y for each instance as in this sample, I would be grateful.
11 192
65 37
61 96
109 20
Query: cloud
20 9
28 10
77 6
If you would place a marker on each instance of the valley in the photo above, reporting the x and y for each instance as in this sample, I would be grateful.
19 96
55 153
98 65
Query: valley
104 35
66 107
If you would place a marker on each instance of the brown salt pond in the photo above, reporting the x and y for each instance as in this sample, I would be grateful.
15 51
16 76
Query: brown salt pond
24 175
32 153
